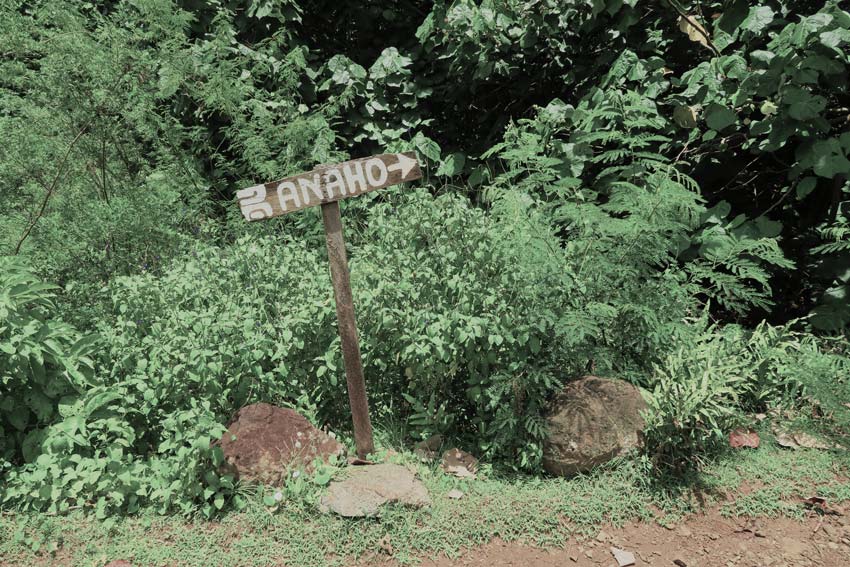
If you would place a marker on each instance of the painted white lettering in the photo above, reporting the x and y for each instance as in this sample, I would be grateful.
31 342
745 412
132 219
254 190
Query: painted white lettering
292 195
253 203
355 179
334 183
382 173
307 186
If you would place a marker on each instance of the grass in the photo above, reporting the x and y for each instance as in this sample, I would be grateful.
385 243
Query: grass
541 511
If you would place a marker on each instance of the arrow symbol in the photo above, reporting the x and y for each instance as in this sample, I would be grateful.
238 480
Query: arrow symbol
404 163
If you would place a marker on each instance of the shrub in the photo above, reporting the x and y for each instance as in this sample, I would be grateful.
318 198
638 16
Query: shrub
715 374
479 352
256 321
43 362
94 458
693 402
476 355
117 441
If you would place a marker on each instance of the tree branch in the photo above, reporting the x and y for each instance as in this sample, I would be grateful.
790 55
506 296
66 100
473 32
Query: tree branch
51 189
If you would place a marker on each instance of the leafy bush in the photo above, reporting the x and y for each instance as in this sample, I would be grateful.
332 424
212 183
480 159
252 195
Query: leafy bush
43 362
693 401
72 439
479 352
703 388
516 316
256 321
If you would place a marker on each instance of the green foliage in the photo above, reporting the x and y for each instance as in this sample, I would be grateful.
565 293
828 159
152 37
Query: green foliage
782 93
70 439
486 343
385 100
703 388
44 362
692 403
596 177
110 166
91 177
256 321
93 458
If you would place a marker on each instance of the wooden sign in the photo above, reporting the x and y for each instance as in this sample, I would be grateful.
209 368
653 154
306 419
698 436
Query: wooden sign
325 186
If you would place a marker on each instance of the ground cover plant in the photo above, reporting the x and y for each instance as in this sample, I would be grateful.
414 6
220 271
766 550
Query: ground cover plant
655 192
539 512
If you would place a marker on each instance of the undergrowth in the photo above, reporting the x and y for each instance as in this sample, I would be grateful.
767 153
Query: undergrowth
603 193
545 512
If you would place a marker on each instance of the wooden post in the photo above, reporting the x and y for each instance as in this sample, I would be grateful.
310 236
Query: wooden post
348 329
325 186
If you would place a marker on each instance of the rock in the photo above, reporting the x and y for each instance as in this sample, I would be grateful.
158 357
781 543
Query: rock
264 442
455 494
459 463
368 488
623 558
119 563
590 422
428 450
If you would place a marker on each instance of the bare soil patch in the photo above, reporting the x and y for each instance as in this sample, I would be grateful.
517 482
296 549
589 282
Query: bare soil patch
702 540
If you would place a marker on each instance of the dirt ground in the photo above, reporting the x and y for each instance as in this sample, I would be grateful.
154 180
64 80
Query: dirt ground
703 540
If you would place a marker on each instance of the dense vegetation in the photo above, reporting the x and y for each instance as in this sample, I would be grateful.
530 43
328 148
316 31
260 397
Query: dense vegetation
656 191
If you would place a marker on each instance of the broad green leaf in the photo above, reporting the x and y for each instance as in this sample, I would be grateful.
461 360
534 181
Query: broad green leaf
452 165
719 117
427 147
733 15
831 164
685 116
759 18
834 38
19 417
806 186
807 108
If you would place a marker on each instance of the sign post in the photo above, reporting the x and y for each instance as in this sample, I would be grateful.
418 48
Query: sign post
326 186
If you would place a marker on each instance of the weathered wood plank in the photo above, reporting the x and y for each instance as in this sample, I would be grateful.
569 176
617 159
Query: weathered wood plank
348 330
327 184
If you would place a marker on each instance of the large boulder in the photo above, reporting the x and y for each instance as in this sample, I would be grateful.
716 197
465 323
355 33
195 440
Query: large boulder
590 422
264 442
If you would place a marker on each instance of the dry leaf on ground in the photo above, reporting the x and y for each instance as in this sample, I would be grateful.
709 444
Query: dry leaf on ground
743 438
799 439
820 504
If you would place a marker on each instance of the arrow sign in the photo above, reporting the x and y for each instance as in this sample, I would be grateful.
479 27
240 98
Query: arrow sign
326 184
